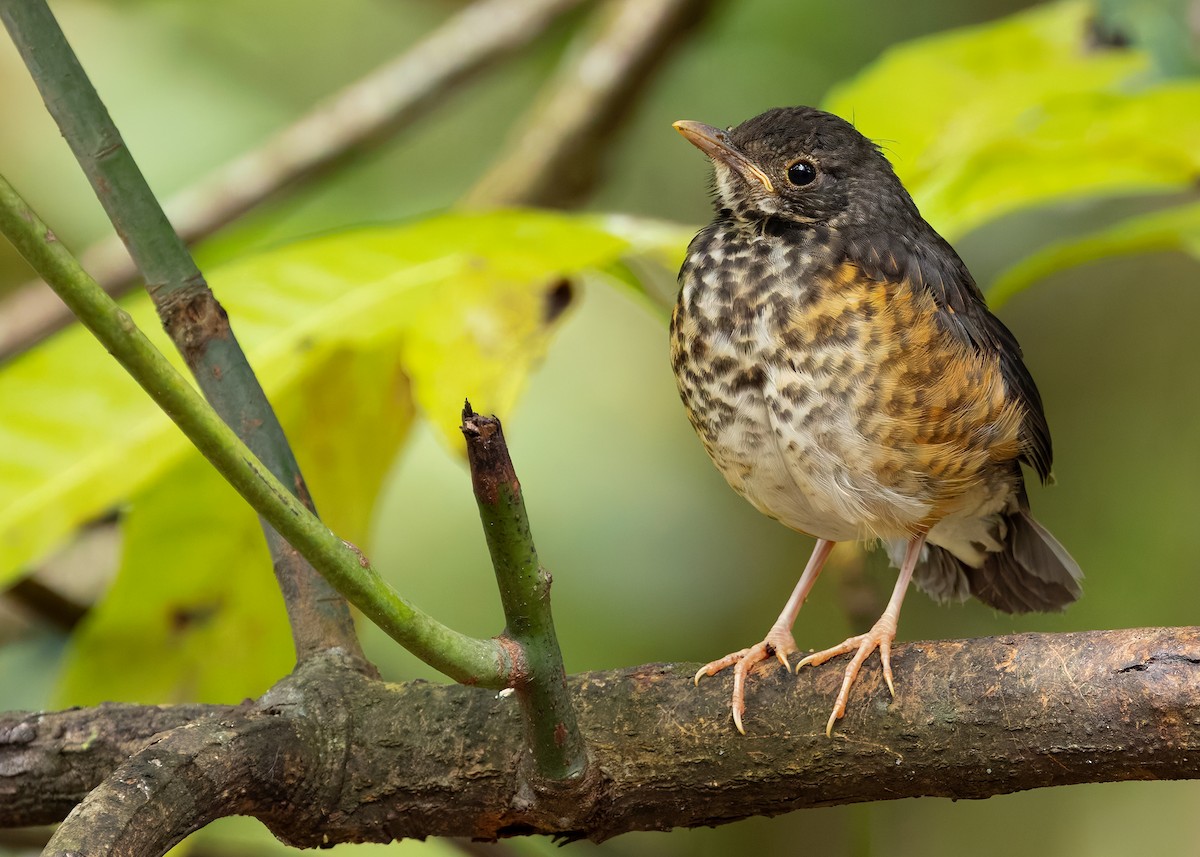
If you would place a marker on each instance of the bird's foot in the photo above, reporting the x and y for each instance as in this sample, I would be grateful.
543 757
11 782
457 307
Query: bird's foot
778 643
879 637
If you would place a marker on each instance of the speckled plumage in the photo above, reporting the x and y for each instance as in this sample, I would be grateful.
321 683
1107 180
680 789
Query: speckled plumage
844 374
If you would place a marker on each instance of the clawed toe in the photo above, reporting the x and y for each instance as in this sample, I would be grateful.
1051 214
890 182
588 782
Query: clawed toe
879 637
778 644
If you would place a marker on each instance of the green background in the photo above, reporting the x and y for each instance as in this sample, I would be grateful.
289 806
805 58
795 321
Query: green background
654 559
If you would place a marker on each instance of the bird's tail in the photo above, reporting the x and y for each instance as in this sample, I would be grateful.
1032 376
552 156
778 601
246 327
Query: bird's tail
1031 572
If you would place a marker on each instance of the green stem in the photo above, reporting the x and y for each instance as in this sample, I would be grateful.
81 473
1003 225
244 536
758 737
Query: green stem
191 315
539 679
463 658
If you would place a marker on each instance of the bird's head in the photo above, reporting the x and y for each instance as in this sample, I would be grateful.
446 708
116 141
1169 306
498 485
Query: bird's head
800 164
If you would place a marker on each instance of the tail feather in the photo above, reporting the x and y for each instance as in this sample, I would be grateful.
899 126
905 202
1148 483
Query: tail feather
1042 554
1031 572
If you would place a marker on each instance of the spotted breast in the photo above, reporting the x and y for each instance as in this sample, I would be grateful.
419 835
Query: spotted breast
845 375
830 399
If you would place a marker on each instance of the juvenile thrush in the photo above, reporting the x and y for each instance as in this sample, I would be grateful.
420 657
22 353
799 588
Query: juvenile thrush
846 377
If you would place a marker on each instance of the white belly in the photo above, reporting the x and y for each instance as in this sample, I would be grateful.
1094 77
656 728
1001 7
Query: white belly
804 479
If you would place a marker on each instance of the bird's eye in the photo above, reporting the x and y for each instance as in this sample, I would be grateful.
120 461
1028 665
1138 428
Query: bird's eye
801 173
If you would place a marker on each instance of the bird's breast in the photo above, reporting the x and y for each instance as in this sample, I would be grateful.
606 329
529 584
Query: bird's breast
831 401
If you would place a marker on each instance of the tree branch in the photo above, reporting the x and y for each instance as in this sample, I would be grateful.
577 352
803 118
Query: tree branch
319 617
555 158
181 781
971 719
539 679
461 657
50 761
361 115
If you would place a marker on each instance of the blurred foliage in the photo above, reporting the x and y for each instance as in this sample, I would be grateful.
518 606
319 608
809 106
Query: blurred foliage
1164 29
1006 116
1038 136
460 300
1175 229
351 332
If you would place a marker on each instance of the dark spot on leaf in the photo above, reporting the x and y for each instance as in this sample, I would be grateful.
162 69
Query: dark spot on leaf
558 298
1104 35
185 616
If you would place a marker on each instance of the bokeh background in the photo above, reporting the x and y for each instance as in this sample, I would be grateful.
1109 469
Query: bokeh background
654 558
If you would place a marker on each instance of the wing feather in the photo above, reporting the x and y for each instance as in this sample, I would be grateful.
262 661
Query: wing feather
929 261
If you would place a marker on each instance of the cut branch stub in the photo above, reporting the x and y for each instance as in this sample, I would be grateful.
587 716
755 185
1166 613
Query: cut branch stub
487 453
539 677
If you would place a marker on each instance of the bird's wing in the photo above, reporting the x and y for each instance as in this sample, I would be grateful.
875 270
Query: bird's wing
932 263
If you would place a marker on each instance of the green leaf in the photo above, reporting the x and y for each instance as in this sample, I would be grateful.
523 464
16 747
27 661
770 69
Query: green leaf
987 120
195 586
350 334
1174 229
194 613
459 299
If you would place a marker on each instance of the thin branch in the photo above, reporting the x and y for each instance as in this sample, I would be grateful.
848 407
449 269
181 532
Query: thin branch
555 159
462 658
319 618
541 683
971 719
361 115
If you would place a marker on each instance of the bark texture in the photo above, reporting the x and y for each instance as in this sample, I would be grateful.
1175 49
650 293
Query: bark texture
346 758
50 760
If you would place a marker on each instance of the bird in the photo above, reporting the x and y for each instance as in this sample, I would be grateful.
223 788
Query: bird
843 372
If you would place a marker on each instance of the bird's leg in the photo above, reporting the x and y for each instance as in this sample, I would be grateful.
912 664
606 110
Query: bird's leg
778 642
881 635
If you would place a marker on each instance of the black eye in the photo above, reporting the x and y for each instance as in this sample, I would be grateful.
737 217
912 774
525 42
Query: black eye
801 173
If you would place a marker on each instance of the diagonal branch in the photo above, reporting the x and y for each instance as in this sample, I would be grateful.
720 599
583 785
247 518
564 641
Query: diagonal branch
319 617
461 657
971 719
540 680
362 114
555 158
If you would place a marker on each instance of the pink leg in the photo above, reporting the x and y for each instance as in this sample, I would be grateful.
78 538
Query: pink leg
778 642
881 635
